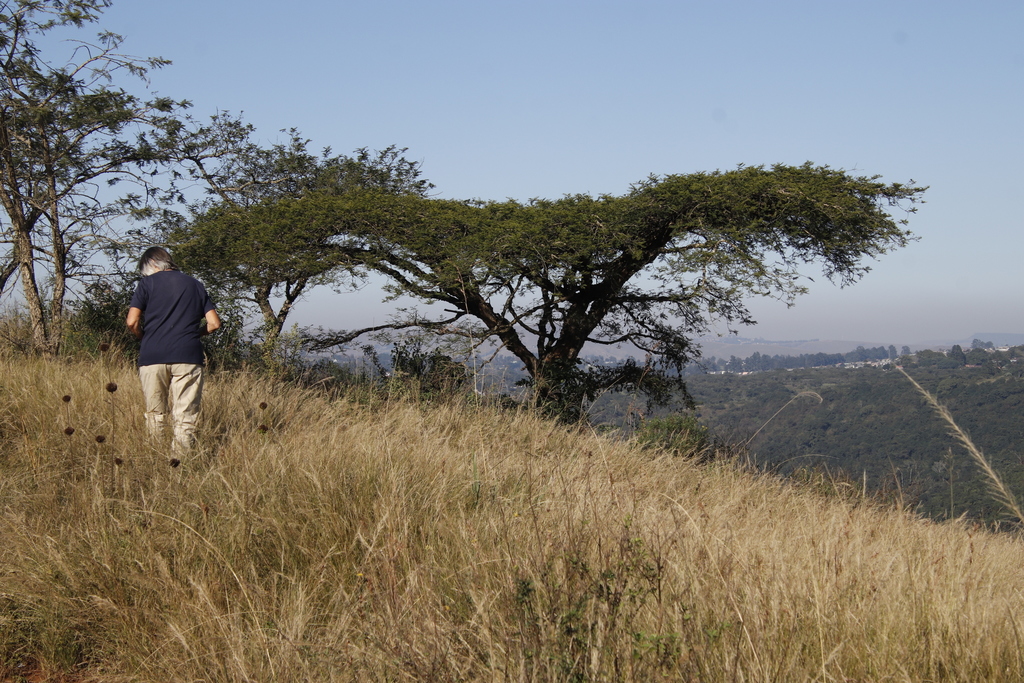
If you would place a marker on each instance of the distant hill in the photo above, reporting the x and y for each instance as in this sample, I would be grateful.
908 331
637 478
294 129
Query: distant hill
742 347
997 338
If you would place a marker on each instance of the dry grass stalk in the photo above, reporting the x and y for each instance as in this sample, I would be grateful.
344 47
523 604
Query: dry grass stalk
997 488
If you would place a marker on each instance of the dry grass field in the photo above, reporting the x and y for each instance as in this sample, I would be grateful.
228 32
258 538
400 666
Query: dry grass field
325 538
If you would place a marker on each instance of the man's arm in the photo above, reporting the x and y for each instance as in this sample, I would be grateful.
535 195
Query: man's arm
212 323
134 321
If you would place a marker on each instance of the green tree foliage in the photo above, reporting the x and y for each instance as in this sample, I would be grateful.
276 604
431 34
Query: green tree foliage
98 316
65 132
977 356
651 268
929 358
428 372
957 355
679 433
734 364
265 228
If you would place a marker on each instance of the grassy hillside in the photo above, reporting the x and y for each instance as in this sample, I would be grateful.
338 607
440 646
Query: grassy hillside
335 539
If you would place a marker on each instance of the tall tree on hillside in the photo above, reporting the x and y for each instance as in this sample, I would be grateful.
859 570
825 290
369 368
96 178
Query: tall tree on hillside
956 354
263 229
66 135
651 268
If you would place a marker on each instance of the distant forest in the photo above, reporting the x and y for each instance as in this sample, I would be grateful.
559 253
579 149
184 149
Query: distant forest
756 362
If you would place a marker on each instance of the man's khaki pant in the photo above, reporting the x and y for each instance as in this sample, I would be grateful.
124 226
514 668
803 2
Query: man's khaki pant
174 388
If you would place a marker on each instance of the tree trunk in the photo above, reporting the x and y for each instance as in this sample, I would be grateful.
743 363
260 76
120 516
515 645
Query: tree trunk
30 288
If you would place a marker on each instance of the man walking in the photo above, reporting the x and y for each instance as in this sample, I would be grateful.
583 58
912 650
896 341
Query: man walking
170 355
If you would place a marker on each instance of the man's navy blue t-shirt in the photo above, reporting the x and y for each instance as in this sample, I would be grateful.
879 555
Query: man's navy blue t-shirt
173 304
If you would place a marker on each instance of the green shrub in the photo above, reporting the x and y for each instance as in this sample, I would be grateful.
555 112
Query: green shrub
681 434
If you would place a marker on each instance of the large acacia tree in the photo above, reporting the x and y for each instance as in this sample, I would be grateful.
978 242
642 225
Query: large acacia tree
652 268
66 134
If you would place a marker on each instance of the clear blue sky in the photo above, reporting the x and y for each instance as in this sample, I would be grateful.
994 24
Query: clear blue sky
540 99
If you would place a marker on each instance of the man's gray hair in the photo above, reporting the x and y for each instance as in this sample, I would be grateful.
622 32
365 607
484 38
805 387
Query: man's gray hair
154 260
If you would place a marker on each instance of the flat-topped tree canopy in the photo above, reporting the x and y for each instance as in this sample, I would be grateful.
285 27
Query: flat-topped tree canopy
652 268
